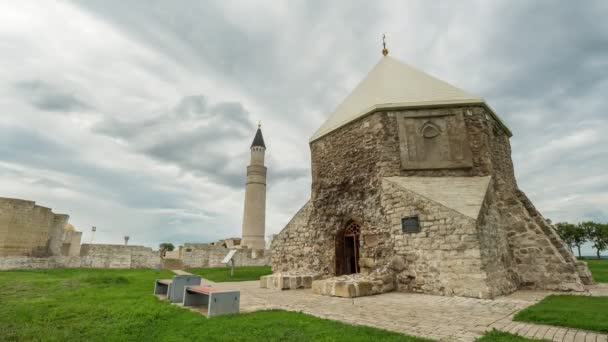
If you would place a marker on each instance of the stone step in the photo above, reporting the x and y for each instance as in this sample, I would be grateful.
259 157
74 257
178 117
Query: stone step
353 286
279 281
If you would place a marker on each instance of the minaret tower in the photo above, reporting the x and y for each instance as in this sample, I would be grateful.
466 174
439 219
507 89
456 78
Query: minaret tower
254 216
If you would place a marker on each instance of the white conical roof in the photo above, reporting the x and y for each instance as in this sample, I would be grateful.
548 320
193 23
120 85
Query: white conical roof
392 84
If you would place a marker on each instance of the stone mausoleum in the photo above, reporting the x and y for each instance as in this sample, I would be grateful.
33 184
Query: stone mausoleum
413 189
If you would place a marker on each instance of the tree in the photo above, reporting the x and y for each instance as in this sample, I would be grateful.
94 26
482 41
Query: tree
167 246
597 234
573 235
567 232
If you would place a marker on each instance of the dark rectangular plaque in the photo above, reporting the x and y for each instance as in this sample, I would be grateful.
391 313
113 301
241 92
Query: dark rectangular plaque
410 224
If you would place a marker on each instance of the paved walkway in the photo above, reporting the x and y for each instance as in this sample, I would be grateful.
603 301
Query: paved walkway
436 317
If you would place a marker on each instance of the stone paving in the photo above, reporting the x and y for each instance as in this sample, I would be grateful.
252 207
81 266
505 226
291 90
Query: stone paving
436 317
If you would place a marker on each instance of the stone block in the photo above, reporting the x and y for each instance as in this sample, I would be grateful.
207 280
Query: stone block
343 289
281 281
264 282
317 287
398 263
306 282
363 289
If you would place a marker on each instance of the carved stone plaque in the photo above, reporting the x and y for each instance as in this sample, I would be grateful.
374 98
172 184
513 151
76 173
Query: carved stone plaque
433 141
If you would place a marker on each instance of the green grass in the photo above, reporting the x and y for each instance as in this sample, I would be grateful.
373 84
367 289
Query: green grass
222 274
580 312
499 336
118 305
599 269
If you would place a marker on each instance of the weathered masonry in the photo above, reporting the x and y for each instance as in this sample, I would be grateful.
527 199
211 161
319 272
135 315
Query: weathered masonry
413 189
27 229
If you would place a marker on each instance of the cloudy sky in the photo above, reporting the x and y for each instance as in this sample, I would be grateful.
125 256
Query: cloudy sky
136 116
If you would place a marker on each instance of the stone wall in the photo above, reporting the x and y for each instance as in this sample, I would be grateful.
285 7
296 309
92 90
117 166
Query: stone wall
27 229
196 255
496 257
507 247
119 256
71 243
291 248
443 258
92 256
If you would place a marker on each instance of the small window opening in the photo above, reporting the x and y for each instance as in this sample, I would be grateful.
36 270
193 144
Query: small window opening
410 224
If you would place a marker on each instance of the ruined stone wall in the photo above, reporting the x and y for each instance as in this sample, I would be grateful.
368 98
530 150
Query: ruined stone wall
71 243
118 256
538 257
196 255
27 229
497 259
74 238
292 247
348 166
56 231
92 256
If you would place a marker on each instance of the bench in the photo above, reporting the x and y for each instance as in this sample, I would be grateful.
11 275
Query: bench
174 288
161 286
211 300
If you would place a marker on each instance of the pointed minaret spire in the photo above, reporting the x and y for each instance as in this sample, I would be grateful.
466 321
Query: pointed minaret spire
258 140
384 49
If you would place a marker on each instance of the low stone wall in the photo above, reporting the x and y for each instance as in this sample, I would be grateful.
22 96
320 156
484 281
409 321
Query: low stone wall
91 256
196 255
120 256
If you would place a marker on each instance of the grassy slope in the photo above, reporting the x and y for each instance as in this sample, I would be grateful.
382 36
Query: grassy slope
222 274
118 305
569 311
599 269
499 336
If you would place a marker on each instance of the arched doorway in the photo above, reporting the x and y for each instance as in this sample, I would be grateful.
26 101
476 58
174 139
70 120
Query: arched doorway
347 249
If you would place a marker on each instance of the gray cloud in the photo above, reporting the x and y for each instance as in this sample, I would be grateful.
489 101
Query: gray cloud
209 140
47 97
563 52
282 66
31 149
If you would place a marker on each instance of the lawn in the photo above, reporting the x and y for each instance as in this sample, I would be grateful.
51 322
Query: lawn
581 312
599 269
118 305
499 336
222 274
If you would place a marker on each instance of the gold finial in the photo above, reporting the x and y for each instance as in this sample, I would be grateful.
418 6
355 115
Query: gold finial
384 50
